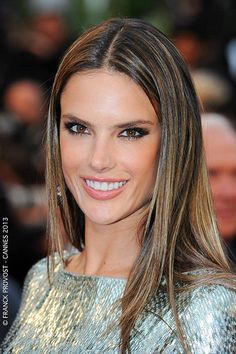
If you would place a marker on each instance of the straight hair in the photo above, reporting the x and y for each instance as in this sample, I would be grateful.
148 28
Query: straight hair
179 233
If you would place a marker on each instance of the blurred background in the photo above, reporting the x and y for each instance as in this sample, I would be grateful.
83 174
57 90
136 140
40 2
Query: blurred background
34 34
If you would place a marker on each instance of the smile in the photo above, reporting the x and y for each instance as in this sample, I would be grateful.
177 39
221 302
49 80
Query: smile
104 186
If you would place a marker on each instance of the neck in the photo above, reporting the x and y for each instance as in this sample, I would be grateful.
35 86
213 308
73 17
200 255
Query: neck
110 250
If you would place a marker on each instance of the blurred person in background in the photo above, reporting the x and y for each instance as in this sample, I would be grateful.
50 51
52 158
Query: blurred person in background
37 47
214 90
22 106
22 164
204 31
22 122
192 47
220 147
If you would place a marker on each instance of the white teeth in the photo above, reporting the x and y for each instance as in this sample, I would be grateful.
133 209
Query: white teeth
104 186
96 185
110 186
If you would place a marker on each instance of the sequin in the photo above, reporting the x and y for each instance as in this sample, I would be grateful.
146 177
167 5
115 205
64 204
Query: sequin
78 314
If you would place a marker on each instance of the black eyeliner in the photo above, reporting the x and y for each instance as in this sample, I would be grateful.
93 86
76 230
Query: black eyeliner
142 132
70 125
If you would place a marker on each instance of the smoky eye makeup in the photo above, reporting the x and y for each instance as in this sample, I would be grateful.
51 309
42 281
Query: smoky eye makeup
133 133
127 132
76 128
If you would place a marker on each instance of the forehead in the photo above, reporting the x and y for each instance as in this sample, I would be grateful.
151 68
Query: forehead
105 94
220 146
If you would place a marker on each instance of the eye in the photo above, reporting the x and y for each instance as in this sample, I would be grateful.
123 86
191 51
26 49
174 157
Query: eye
213 173
133 133
76 128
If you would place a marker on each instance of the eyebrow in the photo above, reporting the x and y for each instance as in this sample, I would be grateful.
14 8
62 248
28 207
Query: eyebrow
119 126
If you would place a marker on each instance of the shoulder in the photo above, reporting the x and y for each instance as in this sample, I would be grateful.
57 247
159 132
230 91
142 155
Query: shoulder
213 297
209 297
36 276
209 318
37 279
40 269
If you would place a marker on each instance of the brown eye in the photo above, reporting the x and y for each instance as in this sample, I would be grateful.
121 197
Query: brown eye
134 133
213 173
81 129
75 128
131 133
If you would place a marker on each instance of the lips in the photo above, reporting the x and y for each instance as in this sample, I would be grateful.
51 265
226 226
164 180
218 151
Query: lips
102 189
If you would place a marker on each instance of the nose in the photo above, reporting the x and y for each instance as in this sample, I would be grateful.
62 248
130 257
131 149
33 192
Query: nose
102 155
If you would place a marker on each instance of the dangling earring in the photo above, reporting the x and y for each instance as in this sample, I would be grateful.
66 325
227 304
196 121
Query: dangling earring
59 197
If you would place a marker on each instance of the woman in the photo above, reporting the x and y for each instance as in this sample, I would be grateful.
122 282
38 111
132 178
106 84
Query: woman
125 168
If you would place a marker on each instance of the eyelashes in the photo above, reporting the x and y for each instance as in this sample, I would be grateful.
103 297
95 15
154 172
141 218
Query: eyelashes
76 128
132 133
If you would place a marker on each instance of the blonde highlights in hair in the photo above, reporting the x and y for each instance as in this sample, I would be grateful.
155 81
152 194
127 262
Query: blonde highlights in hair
180 232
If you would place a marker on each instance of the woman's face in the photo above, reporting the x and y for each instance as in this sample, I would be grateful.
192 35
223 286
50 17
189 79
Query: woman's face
109 139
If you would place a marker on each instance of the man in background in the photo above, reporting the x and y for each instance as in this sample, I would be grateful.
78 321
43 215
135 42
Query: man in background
219 136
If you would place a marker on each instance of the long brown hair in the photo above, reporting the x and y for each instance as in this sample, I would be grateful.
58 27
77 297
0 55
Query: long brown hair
180 232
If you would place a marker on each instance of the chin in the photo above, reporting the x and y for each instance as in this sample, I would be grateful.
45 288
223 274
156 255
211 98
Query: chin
101 217
103 221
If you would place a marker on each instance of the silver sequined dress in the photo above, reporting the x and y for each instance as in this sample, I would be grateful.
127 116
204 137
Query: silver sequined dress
75 313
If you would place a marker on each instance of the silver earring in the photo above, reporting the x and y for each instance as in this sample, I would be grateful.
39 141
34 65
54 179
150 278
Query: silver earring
59 196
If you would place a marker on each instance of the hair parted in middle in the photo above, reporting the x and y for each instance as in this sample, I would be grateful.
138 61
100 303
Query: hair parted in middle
179 233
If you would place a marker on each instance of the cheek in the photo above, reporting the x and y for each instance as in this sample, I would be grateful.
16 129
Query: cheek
143 162
69 156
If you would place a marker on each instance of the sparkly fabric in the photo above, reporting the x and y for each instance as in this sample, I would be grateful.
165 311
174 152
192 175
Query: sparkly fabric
75 314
